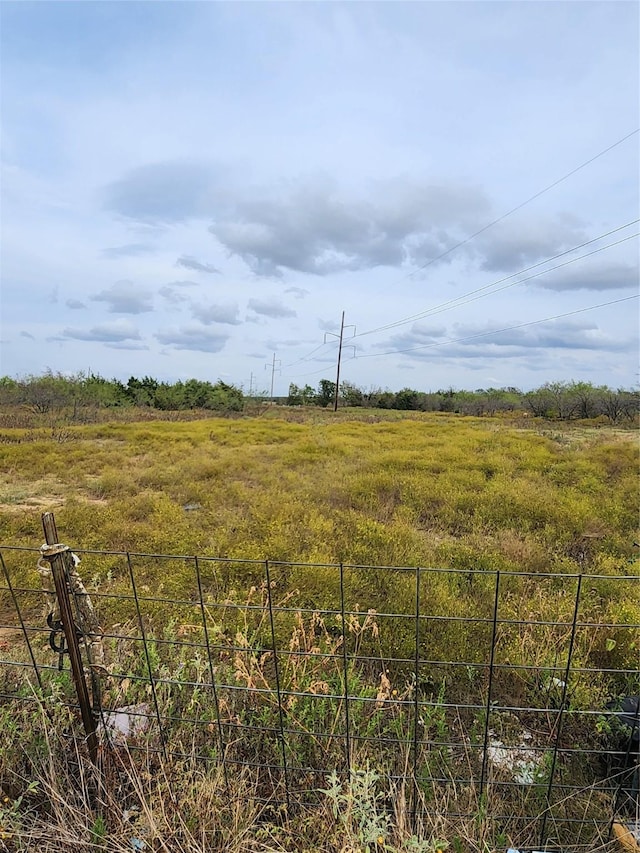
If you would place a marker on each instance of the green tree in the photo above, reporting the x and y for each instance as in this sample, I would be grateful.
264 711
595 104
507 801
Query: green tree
585 397
540 402
198 395
141 392
295 395
351 395
100 392
326 392
226 398
407 399
46 394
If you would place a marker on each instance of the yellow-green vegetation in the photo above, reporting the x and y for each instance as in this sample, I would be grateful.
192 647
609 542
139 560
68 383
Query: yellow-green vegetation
389 490
430 490
307 490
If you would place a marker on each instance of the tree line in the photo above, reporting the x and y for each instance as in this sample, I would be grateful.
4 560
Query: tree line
559 400
53 392
56 392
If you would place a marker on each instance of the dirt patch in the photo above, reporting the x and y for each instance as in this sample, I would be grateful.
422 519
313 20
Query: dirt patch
44 503
9 637
39 502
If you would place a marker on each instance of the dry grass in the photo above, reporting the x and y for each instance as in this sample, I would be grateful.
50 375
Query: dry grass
139 802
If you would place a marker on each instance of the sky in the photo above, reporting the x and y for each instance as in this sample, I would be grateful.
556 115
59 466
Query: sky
200 189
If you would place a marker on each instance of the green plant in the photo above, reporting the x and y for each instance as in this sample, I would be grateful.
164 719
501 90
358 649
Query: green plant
359 807
12 813
98 832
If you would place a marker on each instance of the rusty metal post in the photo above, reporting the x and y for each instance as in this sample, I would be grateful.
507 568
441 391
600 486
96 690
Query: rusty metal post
61 563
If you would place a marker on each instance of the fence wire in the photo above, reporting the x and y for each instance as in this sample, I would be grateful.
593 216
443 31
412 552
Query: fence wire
471 690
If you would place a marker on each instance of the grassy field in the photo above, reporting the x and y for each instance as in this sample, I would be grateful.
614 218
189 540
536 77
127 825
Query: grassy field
425 490
361 488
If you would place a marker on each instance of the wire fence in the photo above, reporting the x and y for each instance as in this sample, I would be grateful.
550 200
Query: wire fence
470 691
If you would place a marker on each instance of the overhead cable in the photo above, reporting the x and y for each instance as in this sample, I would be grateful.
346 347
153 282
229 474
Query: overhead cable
499 331
487 291
524 203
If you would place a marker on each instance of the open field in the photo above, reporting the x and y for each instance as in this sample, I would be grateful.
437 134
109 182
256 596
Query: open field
385 489
424 490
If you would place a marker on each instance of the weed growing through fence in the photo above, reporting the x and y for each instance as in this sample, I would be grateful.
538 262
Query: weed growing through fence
39 747
358 805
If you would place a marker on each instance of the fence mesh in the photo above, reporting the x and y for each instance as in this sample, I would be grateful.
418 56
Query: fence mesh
471 691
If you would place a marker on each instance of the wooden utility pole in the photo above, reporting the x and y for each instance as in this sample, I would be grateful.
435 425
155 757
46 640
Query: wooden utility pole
335 397
340 339
273 371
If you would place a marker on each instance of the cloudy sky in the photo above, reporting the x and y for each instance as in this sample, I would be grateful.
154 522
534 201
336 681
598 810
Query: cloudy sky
192 188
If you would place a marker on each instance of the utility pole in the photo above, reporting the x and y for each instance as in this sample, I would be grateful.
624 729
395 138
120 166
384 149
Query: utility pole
251 384
335 398
340 337
273 371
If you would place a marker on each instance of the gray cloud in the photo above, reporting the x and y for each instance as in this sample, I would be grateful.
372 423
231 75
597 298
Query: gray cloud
128 251
124 297
208 314
519 242
192 264
317 227
552 335
314 228
117 331
473 341
27 335
310 226
127 345
173 292
614 276
328 325
419 334
75 304
270 308
167 192
172 296
196 338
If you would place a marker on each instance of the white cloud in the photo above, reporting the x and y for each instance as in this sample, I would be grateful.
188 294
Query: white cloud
195 265
116 331
197 338
270 308
598 275
124 297
208 314
129 250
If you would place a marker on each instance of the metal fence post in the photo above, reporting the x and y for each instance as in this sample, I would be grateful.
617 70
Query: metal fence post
61 563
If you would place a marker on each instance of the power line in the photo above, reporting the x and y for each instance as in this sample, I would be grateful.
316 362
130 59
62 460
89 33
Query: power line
463 299
481 231
523 204
499 331
307 356
544 272
479 294
312 373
